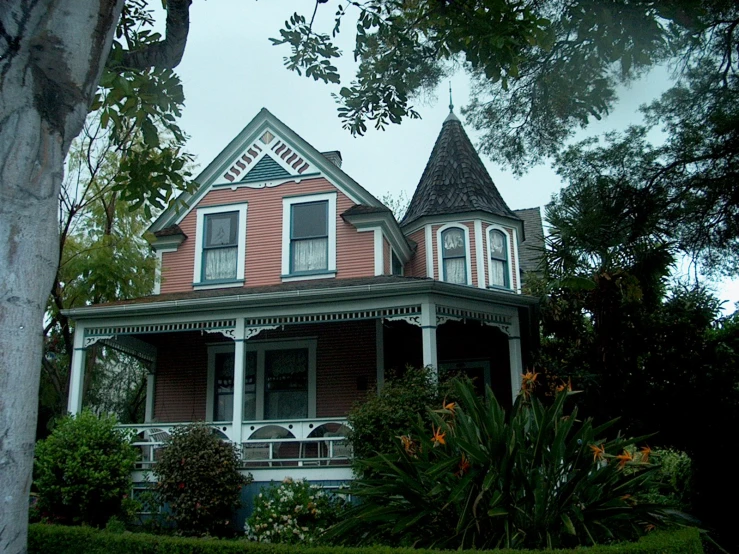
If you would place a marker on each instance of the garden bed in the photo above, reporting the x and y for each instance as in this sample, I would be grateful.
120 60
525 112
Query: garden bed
55 539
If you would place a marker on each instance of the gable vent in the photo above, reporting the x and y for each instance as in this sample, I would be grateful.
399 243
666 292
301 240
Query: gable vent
266 169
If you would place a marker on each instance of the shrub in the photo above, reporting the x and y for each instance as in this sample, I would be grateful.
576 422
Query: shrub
82 471
53 539
673 481
382 416
198 476
293 512
477 479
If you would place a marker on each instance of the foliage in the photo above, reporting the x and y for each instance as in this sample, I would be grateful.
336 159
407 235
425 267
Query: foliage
476 478
614 323
128 161
673 483
198 476
398 204
52 539
82 470
293 512
382 416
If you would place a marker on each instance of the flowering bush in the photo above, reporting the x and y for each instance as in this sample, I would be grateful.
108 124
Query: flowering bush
291 512
476 477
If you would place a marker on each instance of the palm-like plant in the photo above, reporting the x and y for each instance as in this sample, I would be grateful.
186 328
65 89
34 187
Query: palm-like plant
482 478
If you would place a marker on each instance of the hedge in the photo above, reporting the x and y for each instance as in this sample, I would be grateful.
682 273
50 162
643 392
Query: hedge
56 539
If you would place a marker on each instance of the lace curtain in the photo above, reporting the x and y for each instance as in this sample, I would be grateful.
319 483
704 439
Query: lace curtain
455 271
310 255
220 263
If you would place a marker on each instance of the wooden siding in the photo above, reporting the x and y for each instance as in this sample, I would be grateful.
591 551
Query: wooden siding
416 267
346 368
354 251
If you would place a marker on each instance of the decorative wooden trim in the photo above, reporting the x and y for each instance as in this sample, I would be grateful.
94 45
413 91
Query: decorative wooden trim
448 313
385 313
224 326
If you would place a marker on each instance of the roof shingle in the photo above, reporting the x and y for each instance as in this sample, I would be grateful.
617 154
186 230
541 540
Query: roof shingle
455 179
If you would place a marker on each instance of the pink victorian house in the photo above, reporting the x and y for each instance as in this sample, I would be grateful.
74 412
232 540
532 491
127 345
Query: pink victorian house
286 291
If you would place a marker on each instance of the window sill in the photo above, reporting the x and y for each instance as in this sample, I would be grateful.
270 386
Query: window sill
501 289
307 276
218 284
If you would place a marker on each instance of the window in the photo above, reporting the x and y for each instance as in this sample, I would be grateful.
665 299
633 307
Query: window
396 265
454 256
309 236
220 245
498 247
279 381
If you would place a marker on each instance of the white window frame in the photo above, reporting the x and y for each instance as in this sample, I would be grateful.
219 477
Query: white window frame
198 281
260 347
467 253
509 257
287 204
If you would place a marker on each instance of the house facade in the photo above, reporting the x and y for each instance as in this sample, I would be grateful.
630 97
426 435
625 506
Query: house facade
286 292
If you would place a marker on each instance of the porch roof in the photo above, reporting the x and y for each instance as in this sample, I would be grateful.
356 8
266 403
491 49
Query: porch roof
299 292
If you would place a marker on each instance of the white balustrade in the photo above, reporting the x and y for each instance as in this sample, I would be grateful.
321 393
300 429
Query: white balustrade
271 443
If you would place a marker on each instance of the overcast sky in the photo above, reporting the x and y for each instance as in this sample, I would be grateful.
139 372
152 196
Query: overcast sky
230 71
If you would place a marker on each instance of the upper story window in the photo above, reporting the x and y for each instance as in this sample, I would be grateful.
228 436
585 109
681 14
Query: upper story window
220 245
454 255
499 266
309 236
396 267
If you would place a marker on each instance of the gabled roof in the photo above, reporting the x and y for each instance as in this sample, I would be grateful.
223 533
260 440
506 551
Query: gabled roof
455 179
242 162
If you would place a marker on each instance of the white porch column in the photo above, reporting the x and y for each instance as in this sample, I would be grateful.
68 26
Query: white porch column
380 352
428 334
150 391
239 376
77 378
514 354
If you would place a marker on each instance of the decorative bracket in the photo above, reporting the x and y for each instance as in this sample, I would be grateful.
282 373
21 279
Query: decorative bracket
89 341
412 319
441 319
228 332
503 327
250 332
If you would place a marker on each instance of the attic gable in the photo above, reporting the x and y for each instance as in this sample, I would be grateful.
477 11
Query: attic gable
267 159
266 153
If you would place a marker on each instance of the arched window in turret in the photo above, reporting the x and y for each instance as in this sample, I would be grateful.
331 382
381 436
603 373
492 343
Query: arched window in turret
499 266
453 248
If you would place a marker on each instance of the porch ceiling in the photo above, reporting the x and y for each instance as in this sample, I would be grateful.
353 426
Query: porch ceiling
297 294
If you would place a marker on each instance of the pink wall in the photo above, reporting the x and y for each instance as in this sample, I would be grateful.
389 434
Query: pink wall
416 267
354 251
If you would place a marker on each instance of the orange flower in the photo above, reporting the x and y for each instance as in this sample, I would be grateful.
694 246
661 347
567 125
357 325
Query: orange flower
565 386
645 452
408 444
464 466
650 527
626 456
451 406
438 437
528 380
598 452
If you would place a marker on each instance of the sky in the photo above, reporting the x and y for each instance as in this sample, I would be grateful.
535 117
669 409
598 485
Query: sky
230 70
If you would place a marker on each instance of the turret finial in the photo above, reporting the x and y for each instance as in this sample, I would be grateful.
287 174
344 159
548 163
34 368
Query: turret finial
451 104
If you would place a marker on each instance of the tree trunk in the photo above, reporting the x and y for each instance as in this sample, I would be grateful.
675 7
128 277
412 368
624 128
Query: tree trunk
51 56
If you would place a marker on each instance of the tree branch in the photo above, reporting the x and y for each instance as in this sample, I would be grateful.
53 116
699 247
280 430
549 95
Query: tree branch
166 53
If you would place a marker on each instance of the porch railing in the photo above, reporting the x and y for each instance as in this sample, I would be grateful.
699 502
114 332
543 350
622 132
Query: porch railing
265 444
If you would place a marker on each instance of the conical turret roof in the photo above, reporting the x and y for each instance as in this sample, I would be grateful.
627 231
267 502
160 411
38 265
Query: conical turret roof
455 179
